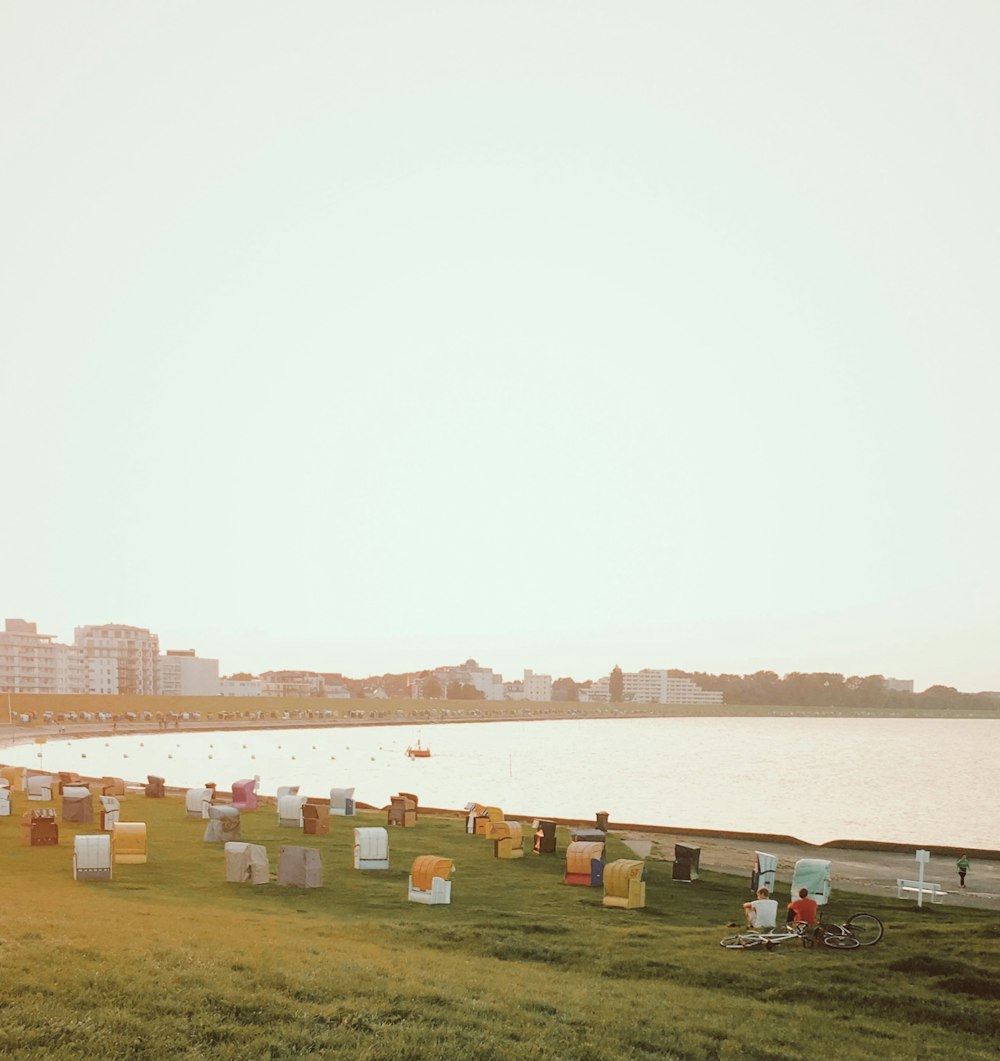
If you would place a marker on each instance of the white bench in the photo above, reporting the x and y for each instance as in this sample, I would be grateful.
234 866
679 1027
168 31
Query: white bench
933 891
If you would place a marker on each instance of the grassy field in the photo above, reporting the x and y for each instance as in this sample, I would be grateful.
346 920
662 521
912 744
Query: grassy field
169 960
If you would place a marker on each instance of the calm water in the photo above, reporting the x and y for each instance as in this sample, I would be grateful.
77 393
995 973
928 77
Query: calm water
919 781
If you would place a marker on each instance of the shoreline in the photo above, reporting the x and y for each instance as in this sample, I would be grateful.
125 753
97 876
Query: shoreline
43 733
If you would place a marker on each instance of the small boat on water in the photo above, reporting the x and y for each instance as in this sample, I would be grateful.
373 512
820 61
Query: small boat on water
418 752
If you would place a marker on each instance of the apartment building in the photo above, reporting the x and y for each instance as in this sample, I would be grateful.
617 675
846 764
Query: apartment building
291 683
134 649
31 662
184 673
650 686
537 686
240 687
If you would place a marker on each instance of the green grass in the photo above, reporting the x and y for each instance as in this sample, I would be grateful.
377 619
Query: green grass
169 960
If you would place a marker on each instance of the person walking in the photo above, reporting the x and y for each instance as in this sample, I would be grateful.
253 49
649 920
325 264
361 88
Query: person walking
963 868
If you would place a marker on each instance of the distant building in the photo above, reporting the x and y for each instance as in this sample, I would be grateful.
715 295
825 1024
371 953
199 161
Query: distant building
649 686
513 690
291 683
537 686
899 685
182 673
135 650
481 678
31 662
102 675
240 687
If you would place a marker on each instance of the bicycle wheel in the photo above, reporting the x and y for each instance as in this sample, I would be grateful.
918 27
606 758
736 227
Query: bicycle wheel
740 942
845 942
865 928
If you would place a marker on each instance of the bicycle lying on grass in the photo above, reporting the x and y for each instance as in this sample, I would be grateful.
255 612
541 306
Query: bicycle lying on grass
859 930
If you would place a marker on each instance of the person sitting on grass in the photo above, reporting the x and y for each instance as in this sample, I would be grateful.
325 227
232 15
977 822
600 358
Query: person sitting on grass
802 910
762 912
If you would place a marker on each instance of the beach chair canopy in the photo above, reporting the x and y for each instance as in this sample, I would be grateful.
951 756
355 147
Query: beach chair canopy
40 787
129 842
92 857
427 867
196 799
223 823
247 863
245 793
624 887
371 848
765 869
77 805
686 859
814 874
299 867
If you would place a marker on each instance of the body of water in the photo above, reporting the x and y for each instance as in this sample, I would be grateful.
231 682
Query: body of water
919 781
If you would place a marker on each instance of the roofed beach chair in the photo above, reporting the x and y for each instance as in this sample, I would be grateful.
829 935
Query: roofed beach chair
623 884
129 843
287 790
4 802
484 822
686 860
428 880
584 863
814 874
223 823
197 801
245 793
77 805
155 787
15 775
111 811
402 811
371 848
247 863
544 841
40 787
92 857
508 841
315 817
112 786
342 801
765 869
299 867
39 828
290 811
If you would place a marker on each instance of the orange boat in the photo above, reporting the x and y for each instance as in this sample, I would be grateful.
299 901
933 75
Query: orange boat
418 752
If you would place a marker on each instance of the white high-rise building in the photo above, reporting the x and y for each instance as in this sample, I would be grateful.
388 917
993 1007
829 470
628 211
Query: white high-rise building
31 662
182 673
135 650
537 686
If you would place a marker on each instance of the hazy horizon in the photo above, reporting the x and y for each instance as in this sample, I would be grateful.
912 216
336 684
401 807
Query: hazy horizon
368 337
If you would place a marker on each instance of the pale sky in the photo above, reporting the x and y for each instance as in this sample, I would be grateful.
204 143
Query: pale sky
371 337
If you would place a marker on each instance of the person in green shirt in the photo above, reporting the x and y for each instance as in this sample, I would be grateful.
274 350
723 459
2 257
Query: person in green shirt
963 868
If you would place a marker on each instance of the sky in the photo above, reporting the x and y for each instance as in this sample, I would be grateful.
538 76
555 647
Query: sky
374 337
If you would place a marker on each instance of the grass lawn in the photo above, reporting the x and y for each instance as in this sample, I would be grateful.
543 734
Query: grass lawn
169 960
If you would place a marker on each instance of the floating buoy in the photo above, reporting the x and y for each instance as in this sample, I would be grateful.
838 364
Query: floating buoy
210 757
169 756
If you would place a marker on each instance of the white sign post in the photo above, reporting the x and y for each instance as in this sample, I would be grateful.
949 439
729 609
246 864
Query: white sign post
923 857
